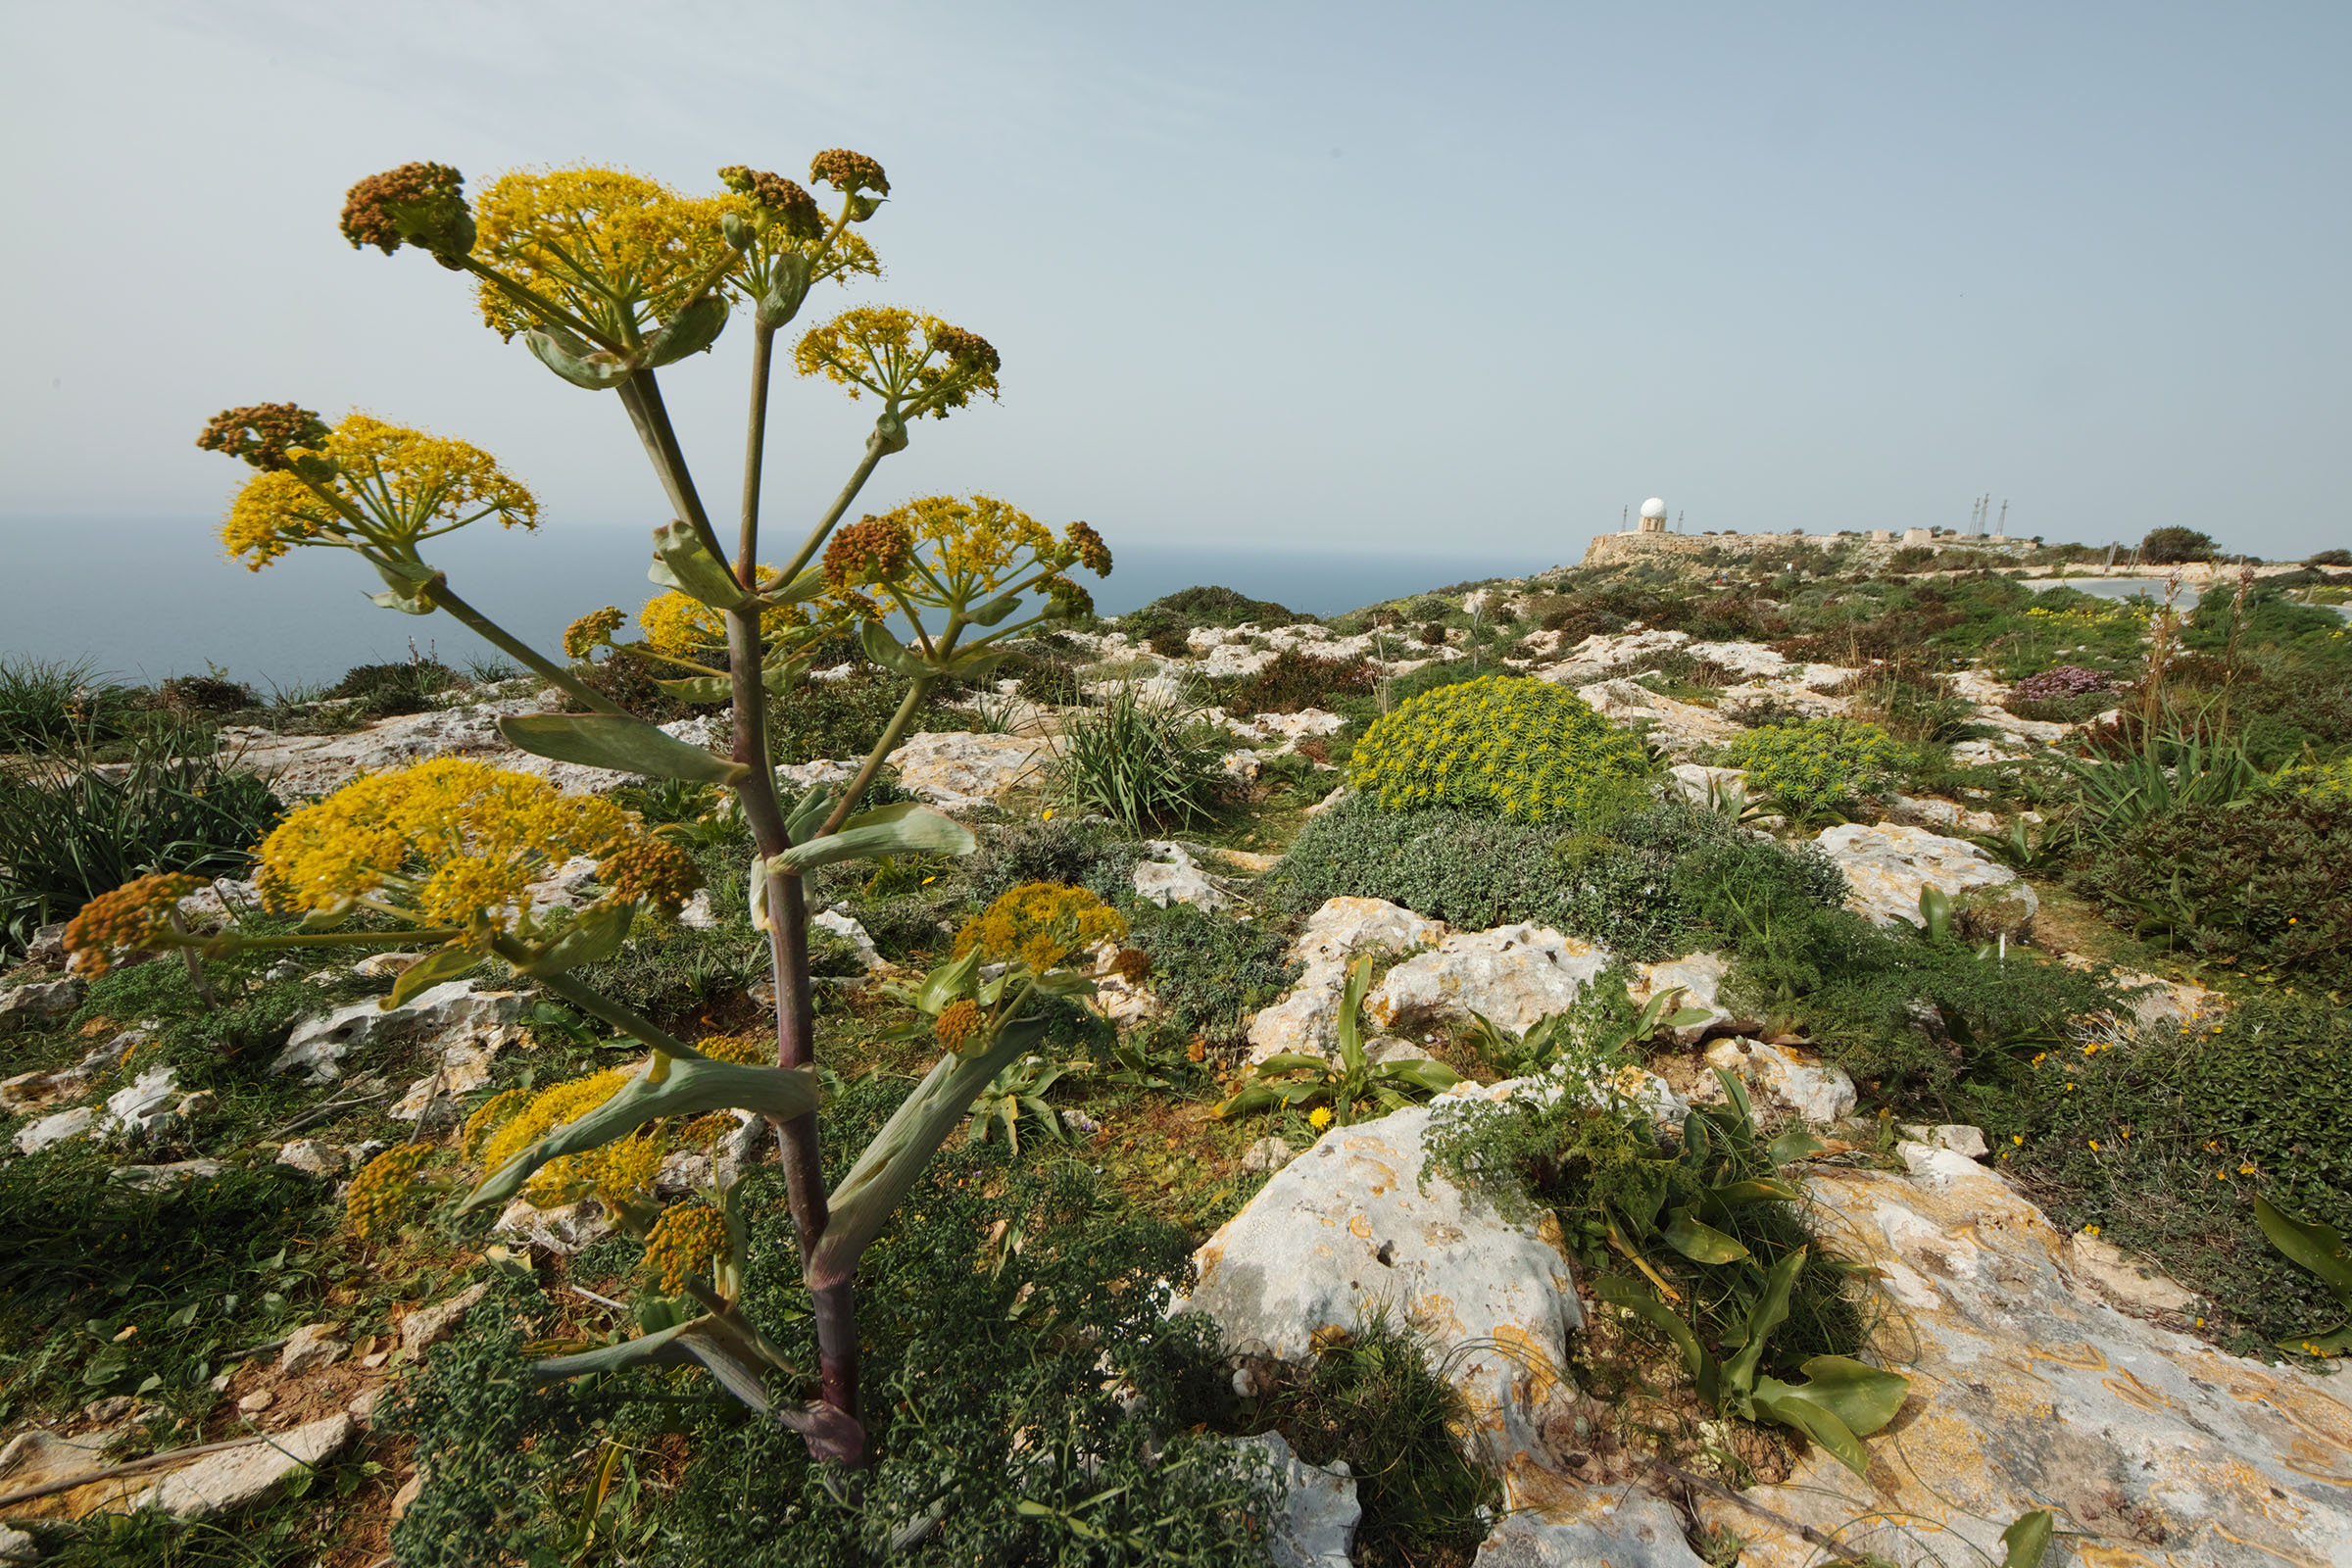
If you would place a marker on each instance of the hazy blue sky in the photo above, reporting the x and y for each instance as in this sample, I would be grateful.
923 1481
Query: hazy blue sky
1370 276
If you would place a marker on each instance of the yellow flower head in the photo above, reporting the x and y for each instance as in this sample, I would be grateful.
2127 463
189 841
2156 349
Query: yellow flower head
915 363
381 489
136 914
959 1023
683 1241
489 1117
619 1173
592 631
1319 1118
748 1050
977 546
650 871
683 627
384 1191
450 841
851 173
621 251
1038 925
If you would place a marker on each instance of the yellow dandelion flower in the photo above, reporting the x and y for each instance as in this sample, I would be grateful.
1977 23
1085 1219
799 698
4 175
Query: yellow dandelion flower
1319 1118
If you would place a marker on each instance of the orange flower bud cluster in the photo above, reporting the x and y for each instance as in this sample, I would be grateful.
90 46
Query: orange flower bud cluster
852 173
682 1242
654 870
958 1023
871 549
417 203
262 432
785 203
136 914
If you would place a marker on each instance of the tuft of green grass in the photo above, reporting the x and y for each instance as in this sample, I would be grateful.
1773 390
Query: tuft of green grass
1138 764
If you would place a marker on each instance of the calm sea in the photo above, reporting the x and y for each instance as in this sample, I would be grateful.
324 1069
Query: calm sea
145 598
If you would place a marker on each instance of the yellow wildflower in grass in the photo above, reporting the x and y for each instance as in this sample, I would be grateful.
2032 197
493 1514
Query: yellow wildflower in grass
683 1241
457 842
746 1051
1039 925
136 914
384 1191
918 363
490 1115
621 251
1319 1118
391 488
1497 742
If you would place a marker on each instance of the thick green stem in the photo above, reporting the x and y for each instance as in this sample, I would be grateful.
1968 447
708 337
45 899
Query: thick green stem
641 395
876 449
444 598
919 688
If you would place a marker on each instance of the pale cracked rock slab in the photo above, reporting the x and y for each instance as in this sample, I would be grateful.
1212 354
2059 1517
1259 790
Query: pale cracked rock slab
309 1348
317 765
2029 1390
562 1231
1172 876
850 931
2126 1284
1778 1079
1346 1230
50 1131
1622 1529
144 1104
1702 785
39 1003
1307 1019
1678 724
219 1482
959 771
449 1015
1319 1509
1514 975
166 1178
1699 976
1887 867
428 1326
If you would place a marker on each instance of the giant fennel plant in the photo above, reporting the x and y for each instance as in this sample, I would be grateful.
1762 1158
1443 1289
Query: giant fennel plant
608 277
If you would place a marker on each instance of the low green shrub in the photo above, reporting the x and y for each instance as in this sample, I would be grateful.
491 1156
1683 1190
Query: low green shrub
1508 745
1209 971
994 1370
2262 884
1068 850
1466 868
1812 767
844 717
1294 680
2161 1138
407 686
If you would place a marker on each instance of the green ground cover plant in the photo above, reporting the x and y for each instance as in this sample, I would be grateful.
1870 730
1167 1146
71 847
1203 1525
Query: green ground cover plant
1208 974
1816 768
1518 747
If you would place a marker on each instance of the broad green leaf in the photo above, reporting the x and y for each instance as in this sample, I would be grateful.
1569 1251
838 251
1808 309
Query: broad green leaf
1352 1001
902 829
442 963
1778 1402
1247 1101
1769 1312
884 650
810 812
807 587
691 1086
1635 1297
895 1161
690 331
1066 983
995 609
1934 912
2318 1247
2028 1538
1743 1114
698 688
595 369
1797 1143
946 983
682 561
624 745
1283 1062
592 938
1863 1397
1761 1191
1701 1243
2336 1342
975 665
1430 1077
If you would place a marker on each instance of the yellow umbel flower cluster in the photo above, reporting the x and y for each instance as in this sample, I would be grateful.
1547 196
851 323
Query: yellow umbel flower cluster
136 914
681 628
452 841
390 487
918 361
683 1241
618 250
1523 748
490 1115
384 1191
1038 925
592 631
618 1173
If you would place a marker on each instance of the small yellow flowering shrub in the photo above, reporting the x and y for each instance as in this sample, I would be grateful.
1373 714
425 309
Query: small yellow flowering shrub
1039 924
1521 747
1812 765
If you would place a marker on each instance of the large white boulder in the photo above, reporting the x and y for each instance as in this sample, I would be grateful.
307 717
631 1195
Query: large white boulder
2029 1390
1172 876
1307 1019
1619 1528
1513 975
1700 977
1777 1079
1319 1509
1355 1226
1885 867
959 771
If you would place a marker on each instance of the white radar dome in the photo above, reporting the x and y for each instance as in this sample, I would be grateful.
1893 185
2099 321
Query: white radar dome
1655 508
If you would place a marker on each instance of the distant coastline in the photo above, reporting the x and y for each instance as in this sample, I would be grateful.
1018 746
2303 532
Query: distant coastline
147 598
